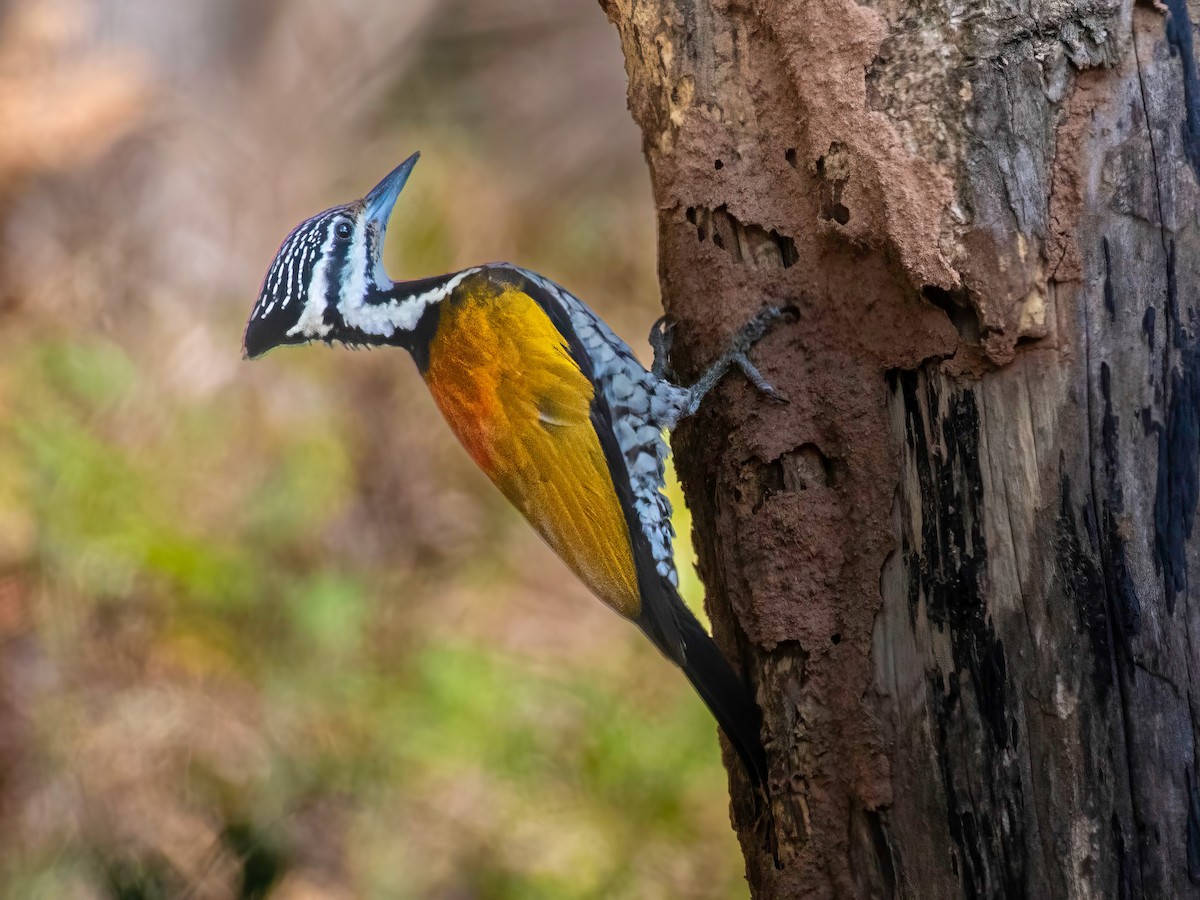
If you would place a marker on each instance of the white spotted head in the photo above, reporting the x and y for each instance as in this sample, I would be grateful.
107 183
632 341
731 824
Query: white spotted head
327 281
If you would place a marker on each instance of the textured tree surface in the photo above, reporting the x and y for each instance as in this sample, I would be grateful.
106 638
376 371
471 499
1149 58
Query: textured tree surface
958 566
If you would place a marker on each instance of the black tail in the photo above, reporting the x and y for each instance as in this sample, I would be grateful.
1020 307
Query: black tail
687 644
724 693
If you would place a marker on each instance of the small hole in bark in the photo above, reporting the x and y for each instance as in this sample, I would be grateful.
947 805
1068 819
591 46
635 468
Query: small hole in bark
938 296
833 170
836 638
787 249
790 156
803 469
957 307
771 480
718 165
813 468
1147 420
745 242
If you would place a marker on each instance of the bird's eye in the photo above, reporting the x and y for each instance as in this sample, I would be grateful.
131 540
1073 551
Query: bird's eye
342 230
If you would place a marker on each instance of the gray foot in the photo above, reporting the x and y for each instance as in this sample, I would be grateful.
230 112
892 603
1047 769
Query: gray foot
736 355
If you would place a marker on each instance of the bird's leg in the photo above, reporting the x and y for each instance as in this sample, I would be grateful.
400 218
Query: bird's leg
746 338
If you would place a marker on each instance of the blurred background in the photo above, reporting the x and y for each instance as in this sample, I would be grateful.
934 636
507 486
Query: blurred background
264 630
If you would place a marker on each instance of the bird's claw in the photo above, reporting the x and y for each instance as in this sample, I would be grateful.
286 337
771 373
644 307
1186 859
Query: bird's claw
662 336
749 335
756 378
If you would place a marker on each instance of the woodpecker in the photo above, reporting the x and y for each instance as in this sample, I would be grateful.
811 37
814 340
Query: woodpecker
548 402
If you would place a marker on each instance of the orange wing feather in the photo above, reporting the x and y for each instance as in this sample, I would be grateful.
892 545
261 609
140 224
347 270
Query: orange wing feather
502 376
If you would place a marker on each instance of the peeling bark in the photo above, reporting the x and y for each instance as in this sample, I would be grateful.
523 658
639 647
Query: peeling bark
958 567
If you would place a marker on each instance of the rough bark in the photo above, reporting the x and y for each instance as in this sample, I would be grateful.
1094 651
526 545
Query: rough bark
958 566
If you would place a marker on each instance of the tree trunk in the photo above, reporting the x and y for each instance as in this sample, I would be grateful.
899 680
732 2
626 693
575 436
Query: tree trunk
957 567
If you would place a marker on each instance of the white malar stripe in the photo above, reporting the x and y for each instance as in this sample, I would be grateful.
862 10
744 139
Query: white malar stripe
312 318
385 319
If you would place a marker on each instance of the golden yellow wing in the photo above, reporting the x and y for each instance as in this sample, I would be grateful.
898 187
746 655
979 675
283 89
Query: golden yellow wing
503 377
